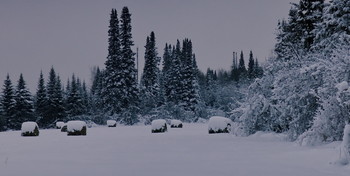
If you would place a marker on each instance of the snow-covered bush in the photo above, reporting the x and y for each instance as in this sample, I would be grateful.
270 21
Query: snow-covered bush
159 126
175 124
345 147
76 128
59 125
219 124
111 123
30 129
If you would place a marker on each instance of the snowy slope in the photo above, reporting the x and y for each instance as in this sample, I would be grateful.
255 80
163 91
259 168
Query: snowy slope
191 151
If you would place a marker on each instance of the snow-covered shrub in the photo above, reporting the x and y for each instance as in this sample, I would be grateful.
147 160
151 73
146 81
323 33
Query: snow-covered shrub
111 123
64 127
219 124
159 126
175 124
76 128
345 147
59 125
30 129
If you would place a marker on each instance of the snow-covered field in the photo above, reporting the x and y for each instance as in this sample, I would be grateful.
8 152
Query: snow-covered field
135 151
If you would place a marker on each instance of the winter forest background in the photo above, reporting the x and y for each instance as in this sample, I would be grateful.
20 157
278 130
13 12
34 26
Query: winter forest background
303 90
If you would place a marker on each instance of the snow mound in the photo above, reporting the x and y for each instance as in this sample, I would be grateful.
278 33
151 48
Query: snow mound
59 125
342 86
111 123
344 156
30 129
76 127
159 126
268 136
175 124
219 124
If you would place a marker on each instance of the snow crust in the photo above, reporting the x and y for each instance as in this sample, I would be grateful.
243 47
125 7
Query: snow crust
187 152
111 122
75 125
29 127
175 122
219 123
59 124
158 124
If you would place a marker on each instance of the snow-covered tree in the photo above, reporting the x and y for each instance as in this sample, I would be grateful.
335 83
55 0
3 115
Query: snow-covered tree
251 66
41 97
24 110
74 103
8 103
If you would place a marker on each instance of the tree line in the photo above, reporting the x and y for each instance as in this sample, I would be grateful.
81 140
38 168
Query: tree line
170 87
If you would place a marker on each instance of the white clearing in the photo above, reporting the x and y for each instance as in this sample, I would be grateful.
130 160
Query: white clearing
190 151
27 127
75 125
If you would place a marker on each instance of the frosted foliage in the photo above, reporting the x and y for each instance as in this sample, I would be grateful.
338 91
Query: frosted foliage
28 127
75 125
219 123
158 124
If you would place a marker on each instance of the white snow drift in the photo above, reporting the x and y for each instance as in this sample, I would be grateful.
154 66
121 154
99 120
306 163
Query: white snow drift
219 124
159 126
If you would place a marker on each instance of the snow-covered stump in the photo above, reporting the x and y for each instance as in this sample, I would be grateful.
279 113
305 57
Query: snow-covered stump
111 123
59 125
175 124
64 128
345 147
159 126
219 124
76 128
30 129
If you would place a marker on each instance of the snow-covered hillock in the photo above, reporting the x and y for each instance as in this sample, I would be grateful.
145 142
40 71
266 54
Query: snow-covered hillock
344 155
30 129
111 123
176 124
159 126
76 128
59 125
219 124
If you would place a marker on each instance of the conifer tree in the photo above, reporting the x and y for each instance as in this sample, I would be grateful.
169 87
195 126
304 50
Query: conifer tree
114 74
24 105
241 67
41 97
150 88
165 73
175 82
251 66
129 98
74 104
8 103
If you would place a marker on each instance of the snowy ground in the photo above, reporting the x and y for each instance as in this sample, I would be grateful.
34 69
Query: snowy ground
134 151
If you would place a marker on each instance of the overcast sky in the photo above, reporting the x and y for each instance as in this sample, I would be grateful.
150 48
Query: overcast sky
71 35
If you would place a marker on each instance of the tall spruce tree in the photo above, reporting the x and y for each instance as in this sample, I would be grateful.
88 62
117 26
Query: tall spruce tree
241 67
8 104
175 83
41 97
165 73
129 98
251 66
150 86
24 110
114 77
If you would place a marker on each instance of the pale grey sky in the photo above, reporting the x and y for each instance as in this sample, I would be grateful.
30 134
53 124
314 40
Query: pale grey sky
71 35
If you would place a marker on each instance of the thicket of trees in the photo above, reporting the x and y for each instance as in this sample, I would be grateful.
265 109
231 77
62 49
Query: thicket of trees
170 87
305 89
